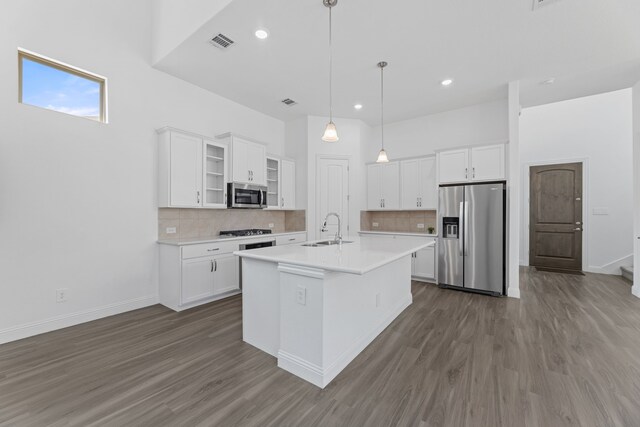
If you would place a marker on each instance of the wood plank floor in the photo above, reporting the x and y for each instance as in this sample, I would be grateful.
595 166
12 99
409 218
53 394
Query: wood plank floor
567 353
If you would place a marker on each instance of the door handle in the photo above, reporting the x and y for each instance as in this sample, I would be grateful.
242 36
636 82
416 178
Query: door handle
461 228
466 228
577 229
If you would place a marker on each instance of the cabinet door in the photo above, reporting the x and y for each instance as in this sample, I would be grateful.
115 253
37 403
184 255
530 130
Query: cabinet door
391 185
186 171
197 279
274 183
257 163
409 184
487 163
240 169
288 184
453 166
215 178
374 184
225 274
425 263
428 186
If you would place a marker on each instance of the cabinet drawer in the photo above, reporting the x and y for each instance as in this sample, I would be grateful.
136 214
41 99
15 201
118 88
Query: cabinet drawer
208 249
291 239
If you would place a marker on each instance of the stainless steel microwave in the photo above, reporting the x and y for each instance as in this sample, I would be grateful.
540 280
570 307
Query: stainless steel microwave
248 196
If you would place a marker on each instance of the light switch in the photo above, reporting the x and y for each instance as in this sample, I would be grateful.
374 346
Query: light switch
420 225
271 225
301 295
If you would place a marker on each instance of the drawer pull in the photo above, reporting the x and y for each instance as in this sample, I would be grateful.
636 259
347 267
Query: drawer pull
213 250
292 239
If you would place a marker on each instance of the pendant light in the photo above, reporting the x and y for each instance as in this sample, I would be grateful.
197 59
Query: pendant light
382 155
330 132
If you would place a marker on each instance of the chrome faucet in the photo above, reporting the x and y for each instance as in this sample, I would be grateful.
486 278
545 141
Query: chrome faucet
338 237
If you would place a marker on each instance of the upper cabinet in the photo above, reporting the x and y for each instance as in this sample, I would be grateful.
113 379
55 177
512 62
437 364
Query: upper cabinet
383 186
418 184
482 163
192 170
248 160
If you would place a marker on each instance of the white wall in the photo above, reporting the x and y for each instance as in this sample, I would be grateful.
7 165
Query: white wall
599 129
78 203
474 125
173 21
636 187
353 134
296 147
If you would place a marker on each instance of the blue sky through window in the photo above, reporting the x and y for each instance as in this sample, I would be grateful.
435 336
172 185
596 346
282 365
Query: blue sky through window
54 89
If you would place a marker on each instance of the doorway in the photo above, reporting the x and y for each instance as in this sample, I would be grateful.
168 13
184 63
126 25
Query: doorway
333 195
555 216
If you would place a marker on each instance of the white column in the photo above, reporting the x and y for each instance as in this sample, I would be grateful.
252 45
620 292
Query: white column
513 193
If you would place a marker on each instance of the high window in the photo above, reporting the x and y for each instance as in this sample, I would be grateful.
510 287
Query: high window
60 87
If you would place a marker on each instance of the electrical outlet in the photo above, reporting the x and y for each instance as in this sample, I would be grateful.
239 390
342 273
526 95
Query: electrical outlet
171 230
62 294
377 300
301 295
271 225
375 224
420 225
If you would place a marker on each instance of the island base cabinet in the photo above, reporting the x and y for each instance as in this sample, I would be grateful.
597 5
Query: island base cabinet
328 318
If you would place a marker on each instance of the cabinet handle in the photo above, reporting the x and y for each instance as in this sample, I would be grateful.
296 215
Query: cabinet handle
292 239
212 266
474 173
215 265
213 250
466 173
282 202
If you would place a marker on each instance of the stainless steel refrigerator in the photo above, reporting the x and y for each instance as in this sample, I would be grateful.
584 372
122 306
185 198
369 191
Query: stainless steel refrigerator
471 252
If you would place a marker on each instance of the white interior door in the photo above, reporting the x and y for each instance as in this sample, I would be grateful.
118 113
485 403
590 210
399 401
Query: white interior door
333 195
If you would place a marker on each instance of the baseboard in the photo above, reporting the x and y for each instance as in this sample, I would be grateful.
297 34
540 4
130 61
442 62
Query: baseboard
513 292
36 328
613 267
320 377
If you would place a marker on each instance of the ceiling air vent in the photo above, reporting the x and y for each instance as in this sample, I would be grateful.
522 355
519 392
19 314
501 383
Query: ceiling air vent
289 102
221 41
539 3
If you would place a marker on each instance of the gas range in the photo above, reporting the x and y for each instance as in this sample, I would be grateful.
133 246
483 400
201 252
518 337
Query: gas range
249 232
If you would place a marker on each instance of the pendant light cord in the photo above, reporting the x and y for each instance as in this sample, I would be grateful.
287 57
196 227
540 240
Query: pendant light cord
330 69
382 105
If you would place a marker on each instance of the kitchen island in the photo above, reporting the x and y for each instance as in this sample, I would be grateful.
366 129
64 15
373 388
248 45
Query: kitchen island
316 308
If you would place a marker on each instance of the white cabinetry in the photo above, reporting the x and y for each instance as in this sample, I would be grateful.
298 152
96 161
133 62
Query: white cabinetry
418 184
290 239
192 170
248 159
383 186
481 163
281 183
423 264
192 275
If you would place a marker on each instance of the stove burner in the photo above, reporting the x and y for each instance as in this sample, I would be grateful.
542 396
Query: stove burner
249 232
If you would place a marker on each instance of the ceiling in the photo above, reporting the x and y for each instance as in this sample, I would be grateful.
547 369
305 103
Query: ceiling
588 46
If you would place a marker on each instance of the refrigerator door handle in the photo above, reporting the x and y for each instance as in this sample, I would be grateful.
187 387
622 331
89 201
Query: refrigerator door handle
466 230
461 228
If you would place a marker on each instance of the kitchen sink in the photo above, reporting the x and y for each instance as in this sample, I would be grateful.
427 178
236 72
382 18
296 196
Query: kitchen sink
325 243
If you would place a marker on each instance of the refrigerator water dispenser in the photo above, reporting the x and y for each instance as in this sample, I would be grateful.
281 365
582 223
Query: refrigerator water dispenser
450 227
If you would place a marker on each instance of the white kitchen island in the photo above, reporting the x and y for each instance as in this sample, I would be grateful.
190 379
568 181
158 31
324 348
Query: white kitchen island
317 308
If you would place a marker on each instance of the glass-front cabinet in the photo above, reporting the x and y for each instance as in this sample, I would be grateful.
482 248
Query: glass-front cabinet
273 183
215 174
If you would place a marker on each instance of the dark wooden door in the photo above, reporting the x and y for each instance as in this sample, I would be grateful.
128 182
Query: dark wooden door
555 227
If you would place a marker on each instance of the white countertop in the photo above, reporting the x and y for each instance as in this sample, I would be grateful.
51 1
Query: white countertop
198 240
359 257
398 233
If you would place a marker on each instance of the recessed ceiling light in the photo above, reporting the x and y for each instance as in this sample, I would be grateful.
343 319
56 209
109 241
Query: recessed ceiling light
262 34
446 82
358 106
